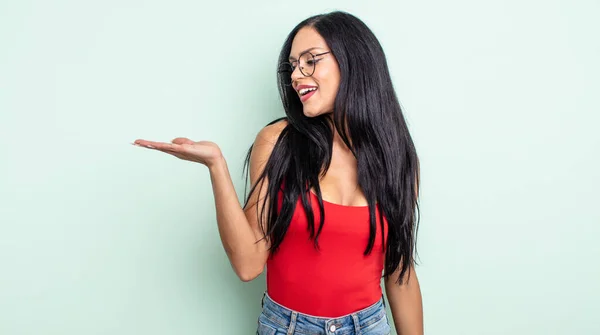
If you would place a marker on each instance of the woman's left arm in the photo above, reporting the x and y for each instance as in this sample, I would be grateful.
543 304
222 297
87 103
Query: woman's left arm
406 303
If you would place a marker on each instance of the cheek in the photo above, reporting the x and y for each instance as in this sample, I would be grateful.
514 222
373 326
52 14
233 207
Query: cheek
329 91
330 78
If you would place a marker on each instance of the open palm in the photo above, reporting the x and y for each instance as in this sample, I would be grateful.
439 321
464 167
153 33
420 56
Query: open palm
203 152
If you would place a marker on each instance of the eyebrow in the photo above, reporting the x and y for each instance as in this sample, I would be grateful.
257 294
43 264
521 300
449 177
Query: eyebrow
307 50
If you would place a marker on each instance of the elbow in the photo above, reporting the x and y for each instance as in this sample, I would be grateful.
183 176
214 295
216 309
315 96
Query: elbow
247 275
247 265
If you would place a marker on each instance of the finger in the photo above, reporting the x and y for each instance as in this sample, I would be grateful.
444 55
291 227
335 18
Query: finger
182 140
158 145
168 148
145 143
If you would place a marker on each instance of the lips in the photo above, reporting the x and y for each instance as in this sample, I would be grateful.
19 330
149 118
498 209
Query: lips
306 91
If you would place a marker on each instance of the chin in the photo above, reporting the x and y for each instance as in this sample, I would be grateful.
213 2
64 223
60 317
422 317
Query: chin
313 113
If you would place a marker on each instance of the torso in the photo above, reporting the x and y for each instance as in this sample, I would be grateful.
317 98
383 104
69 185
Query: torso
337 279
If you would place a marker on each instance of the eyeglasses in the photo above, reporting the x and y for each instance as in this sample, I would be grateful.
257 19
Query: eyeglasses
307 63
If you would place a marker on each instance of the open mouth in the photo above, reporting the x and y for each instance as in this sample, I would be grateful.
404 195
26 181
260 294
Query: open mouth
306 93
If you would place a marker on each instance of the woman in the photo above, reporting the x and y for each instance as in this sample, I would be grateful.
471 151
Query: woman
334 191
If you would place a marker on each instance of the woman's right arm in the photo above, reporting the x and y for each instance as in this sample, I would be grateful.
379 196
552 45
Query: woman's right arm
241 236
239 229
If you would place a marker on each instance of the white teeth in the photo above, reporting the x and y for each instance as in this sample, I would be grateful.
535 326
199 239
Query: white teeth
304 91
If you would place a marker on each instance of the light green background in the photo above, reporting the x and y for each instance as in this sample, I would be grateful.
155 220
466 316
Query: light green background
100 237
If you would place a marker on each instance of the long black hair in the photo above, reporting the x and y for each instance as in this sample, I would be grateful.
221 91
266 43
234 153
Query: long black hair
368 118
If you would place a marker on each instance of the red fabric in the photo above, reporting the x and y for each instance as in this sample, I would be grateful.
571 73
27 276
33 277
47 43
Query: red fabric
337 279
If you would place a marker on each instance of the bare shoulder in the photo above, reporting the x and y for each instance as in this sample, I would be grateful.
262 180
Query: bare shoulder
263 146
268 135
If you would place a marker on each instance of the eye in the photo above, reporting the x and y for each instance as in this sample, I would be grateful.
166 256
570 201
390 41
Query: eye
313 61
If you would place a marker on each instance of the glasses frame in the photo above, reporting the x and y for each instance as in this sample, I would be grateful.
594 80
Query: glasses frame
293 68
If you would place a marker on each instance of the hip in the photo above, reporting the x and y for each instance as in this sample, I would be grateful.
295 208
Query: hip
276 319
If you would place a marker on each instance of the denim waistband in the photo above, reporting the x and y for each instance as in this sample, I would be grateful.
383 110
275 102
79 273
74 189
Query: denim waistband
301 323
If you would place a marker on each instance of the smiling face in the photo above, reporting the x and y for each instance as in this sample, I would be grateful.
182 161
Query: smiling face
317 92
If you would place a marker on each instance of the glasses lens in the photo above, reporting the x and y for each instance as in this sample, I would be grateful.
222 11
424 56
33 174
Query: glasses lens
285 73
307 64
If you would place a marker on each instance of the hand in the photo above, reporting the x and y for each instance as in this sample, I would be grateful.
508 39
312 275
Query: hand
204 152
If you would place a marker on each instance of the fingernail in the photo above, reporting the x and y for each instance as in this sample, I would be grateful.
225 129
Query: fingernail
137 145
149 146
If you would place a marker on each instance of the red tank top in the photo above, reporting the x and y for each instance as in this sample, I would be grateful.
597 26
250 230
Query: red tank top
335 280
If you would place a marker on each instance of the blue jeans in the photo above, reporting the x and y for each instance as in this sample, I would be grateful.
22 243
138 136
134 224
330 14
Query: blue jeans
279 320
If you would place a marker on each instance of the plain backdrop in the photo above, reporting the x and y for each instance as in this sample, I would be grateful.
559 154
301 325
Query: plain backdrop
100 237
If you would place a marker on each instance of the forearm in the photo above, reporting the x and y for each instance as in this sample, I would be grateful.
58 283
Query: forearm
406 305
237 236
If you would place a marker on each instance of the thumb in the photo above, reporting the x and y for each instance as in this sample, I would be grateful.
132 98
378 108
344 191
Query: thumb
182 140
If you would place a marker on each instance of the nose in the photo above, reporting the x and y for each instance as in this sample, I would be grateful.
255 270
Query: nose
296 73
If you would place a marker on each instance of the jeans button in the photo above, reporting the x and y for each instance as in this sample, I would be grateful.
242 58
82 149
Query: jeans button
332 328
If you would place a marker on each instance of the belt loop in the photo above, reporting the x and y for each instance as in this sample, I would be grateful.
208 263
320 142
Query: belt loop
292 323
356 324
